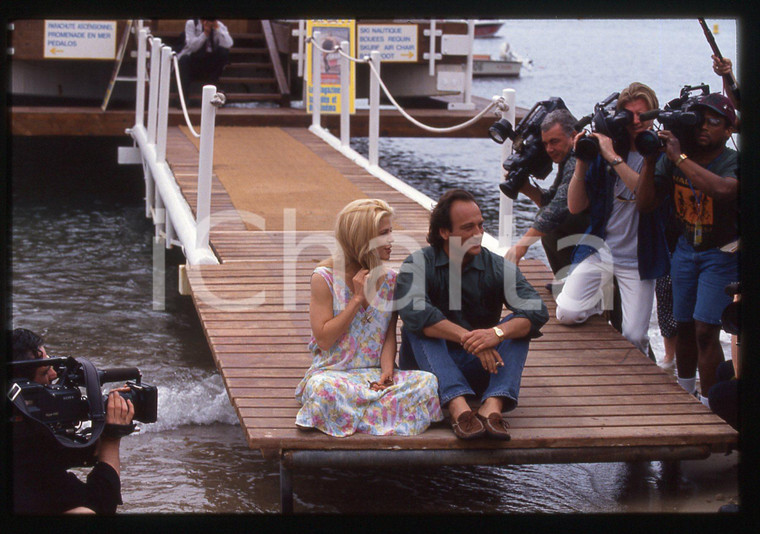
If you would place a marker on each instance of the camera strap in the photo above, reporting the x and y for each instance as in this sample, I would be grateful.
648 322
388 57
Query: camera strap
94 398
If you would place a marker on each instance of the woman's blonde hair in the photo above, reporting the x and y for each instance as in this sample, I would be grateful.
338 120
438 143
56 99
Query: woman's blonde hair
635 91
358 223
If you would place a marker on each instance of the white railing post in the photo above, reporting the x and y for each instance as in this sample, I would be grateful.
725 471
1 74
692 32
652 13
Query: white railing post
374 108
155 62
142 37
345 97
205 168
431 57
468 68
506 219
163 102
301 48
316 82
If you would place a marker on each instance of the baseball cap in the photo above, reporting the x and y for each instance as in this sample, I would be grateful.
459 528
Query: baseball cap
720 105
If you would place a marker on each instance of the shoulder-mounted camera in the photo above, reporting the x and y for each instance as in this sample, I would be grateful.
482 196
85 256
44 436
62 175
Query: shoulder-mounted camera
605 120
681 116
73 408
528 158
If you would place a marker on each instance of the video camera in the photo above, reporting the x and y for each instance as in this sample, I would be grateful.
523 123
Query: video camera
528 158
680 115
62 408
605 120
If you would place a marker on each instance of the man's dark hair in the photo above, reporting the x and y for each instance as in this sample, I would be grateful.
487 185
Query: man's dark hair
440 217
26 346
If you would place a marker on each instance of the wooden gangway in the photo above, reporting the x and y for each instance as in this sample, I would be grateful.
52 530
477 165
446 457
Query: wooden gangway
587 394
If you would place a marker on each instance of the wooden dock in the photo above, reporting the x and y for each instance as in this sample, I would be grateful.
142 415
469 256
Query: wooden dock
587 394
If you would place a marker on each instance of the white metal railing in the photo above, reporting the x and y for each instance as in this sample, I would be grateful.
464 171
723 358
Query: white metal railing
164 202
505 104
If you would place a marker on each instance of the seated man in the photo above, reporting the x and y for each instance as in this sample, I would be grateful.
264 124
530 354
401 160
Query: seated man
41 482
205 53
553 220
450 296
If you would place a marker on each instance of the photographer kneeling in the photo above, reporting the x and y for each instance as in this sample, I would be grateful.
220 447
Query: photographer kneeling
41 482
553 220
620 242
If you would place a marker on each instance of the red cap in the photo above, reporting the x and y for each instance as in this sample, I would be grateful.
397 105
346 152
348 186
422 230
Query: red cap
720 105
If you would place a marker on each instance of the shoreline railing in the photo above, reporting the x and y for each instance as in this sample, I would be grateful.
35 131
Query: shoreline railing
505 104
164 203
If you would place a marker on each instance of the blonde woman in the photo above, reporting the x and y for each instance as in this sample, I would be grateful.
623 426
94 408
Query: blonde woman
352 385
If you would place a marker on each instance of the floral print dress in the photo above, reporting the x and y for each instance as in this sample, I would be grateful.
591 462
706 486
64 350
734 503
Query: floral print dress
335 395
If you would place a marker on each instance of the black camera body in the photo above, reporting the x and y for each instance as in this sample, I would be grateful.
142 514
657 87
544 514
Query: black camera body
62 408
605 120
680 116
528 158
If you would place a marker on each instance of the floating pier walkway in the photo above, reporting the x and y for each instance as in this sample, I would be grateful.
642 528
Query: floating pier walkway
272 194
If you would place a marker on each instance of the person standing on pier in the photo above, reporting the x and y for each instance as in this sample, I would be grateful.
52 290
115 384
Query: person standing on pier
205 52
352 385
450 296
553 220
620 241
704 185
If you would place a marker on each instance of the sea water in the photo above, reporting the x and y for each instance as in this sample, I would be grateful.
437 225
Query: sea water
82 276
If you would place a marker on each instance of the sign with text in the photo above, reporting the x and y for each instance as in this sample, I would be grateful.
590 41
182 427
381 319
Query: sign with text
80 39
395 42
331 34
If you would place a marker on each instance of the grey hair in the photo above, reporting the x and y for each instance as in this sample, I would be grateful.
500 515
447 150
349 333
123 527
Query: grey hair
562 117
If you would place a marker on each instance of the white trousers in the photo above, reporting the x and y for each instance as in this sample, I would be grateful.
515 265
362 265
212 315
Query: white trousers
588 291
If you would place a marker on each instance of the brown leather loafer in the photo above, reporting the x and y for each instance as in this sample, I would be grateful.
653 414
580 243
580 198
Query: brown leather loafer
468 426
496 426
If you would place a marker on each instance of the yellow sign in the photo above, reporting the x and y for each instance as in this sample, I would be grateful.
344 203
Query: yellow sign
332 33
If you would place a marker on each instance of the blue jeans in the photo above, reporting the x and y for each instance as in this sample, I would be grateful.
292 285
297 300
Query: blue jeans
461 373
699 282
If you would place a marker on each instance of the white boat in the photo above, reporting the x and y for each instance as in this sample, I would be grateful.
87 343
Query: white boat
508 64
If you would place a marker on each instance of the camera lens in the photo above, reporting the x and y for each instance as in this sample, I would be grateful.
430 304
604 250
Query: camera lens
514 182
501 130
647 143
587 148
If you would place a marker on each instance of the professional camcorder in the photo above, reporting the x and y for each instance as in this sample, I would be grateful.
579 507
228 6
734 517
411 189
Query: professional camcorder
528 158
680 115
605 120
63 409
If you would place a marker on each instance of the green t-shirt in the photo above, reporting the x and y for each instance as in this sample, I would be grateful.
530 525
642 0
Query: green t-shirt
706 222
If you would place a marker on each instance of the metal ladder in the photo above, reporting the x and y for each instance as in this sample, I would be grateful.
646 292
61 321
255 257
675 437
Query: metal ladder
119 59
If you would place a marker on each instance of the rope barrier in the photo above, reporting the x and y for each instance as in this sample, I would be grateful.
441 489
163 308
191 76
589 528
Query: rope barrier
182 96
497 101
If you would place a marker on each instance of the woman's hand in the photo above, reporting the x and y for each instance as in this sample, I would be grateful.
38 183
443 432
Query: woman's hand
386 380
359 282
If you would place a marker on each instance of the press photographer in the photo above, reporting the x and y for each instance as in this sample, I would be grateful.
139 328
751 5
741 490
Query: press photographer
620 242
702 179
553 220
51 433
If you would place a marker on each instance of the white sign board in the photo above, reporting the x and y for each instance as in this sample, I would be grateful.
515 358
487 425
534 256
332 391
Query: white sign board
80 39
395 42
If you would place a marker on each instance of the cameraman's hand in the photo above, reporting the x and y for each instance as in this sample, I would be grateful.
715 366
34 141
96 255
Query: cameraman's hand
605 147
119 411
721 67
672 145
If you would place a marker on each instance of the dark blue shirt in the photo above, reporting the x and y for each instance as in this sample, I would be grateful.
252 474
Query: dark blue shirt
488 283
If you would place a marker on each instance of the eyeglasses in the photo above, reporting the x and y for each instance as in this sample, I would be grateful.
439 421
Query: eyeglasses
712 121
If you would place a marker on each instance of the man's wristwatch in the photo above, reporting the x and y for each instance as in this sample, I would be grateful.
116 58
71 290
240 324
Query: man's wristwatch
617 161
499 333
681 159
